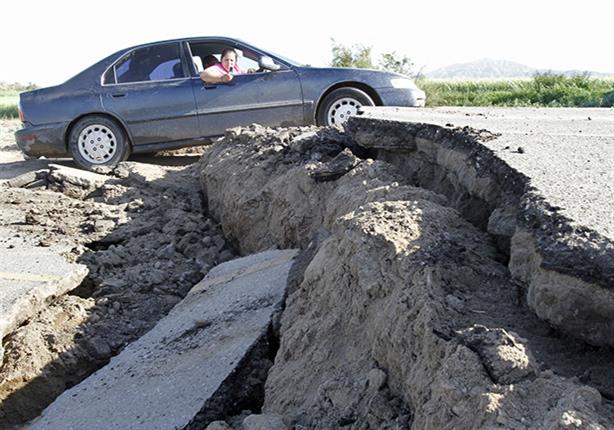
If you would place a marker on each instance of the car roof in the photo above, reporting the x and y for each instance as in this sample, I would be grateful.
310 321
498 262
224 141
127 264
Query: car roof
225 39
189 39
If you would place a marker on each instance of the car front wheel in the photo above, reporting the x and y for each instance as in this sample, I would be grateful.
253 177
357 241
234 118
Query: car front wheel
340 104
97 141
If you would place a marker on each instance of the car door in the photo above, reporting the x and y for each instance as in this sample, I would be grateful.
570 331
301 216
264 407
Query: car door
150 90
267 98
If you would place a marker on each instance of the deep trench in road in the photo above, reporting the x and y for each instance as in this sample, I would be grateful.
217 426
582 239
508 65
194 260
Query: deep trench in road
403 274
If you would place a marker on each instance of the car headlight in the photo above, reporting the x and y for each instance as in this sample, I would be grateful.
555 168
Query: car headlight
403 83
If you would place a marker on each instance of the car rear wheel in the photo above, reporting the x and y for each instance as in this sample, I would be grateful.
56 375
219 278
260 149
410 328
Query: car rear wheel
340 104
97 141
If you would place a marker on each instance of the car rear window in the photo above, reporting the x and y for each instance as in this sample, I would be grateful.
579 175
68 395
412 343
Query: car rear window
150 63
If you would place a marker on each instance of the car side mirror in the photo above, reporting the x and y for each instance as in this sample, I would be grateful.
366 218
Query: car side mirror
267 63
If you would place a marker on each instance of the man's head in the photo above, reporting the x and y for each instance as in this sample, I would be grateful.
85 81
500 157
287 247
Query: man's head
229 58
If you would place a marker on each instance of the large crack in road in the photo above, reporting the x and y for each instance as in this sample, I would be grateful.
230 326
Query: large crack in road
414 304
404 284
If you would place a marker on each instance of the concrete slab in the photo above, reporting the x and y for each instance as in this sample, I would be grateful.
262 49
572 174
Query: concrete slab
78 177
28 277
140 172
163 380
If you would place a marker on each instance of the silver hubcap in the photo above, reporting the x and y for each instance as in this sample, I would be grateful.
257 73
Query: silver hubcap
341 110
97 144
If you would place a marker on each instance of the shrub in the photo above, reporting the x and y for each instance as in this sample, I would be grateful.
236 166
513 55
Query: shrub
608 99
9 112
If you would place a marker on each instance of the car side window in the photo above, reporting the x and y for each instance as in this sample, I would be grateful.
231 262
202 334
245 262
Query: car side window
246 63
170 69
247 58
124 66
151 63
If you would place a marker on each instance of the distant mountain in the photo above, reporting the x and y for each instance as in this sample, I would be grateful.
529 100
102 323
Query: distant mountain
497 69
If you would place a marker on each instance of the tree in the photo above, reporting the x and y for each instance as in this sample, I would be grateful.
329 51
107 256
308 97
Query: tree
355 56
359 56
391 62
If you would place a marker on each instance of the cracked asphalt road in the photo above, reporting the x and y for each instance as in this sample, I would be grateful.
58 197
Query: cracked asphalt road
568 153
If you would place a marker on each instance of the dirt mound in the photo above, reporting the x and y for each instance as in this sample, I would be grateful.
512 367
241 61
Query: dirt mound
404 315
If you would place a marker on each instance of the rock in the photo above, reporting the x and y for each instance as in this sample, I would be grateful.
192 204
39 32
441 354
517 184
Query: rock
139 173
225 255
218 425
264 422
77 177
504 354
502 222
376 379
99 347
335 168
167 252
219 242
135 205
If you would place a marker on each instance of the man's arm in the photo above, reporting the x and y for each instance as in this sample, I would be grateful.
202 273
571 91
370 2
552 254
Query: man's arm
211 75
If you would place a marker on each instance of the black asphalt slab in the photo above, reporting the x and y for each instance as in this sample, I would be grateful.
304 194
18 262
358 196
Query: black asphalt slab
568 153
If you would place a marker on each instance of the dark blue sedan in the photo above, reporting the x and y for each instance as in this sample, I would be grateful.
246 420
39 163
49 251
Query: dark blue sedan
150 97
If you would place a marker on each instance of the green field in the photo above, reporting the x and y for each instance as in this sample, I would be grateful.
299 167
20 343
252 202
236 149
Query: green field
540 91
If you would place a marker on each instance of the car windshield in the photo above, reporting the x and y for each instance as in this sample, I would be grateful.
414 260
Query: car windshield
286 59
281 57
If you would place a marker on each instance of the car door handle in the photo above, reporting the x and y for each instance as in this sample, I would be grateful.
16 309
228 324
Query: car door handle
118 95
209 86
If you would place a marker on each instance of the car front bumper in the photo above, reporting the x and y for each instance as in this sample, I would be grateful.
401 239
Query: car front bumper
37 140
406 97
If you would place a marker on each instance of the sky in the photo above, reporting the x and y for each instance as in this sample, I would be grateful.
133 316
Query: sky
48 42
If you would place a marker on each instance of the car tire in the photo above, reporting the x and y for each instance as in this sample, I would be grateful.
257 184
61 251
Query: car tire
98 141
341 103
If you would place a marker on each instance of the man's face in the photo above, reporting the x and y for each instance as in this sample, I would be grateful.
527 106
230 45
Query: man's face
228 61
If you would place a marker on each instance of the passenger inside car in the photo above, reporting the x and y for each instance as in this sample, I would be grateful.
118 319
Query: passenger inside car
210 60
